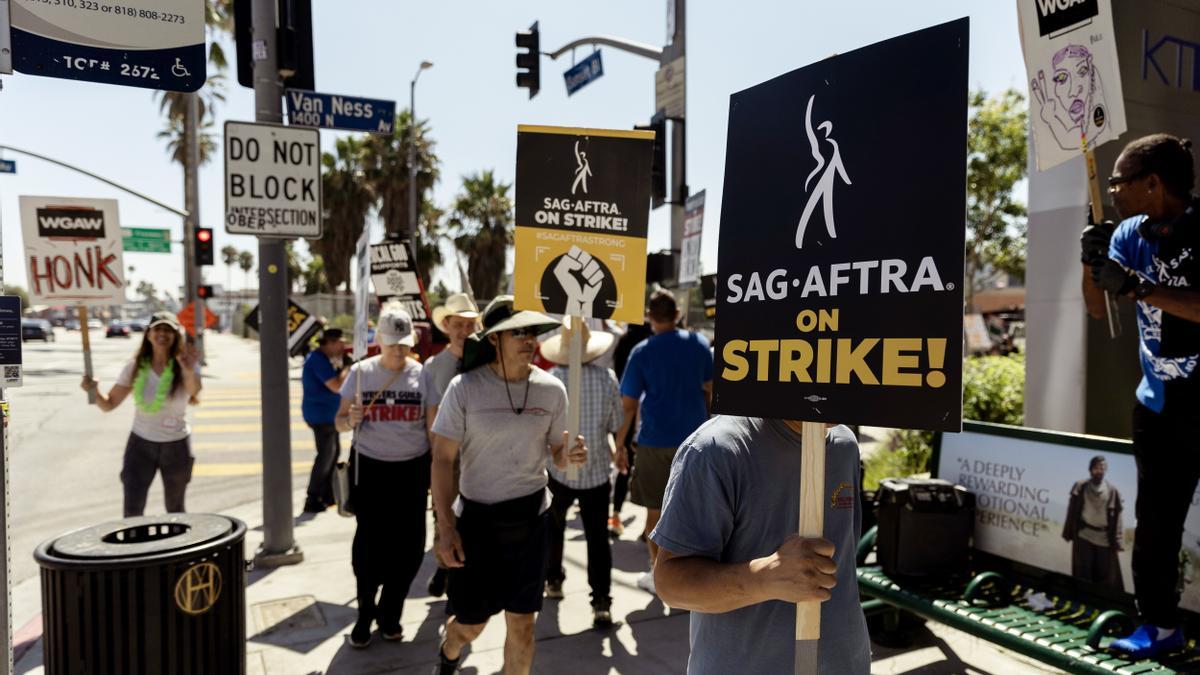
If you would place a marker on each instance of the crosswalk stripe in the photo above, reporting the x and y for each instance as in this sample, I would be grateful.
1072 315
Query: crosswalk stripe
298 444
236 413
242 469
237 428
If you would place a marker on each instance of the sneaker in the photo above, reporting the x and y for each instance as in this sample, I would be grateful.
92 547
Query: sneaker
615 527
311 506
646 583
446 666
360 637
554 590
392 632
437 583
1144 642
602 613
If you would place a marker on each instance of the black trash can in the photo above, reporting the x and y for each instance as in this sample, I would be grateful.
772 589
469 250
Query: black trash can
153 595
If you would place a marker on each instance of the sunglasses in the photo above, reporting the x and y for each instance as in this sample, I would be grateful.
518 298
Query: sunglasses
1114 181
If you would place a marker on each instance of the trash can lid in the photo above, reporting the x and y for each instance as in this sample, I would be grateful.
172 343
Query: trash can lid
141 536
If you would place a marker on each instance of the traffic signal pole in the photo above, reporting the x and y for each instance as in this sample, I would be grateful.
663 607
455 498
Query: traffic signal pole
193 273
279 544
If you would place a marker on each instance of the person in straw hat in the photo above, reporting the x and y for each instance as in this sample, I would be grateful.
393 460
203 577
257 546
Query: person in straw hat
600 416
505 418
458 318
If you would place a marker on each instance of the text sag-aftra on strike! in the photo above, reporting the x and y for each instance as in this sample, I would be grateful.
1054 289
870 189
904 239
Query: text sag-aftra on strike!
863 277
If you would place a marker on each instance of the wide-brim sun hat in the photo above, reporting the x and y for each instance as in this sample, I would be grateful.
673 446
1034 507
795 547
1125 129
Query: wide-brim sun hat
497 317
458 304
557 348
395 326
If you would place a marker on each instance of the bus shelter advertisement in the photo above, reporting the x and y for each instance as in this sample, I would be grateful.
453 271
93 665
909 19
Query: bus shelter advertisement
1060 503
840 294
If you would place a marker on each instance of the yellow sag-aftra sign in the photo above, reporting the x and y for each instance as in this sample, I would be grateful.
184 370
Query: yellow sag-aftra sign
583 198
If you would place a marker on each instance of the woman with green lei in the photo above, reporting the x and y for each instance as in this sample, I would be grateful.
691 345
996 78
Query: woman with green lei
164 376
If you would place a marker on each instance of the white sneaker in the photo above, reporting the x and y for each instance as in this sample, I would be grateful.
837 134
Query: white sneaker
646 583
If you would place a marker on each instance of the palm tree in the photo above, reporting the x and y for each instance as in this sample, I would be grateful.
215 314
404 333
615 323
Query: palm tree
347 199
218 19
482 224
229 256
427 248
246 262
385 166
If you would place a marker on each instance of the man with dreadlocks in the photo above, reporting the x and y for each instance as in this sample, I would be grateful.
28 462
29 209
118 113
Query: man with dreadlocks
505 418
1153 256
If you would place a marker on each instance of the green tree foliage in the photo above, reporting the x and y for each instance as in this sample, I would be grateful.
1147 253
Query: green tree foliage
996 162
315 280
385 167
427 247
218 17
246 262
347 198
482 225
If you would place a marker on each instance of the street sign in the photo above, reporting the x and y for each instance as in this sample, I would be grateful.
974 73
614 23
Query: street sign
582 214
187 317
10 339
669 95
301 325
146 240
693 227
73 251
8 166
272 180
394 275
155 44
584 73
331 111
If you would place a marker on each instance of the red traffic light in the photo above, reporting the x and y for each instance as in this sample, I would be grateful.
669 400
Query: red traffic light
204 234
204 291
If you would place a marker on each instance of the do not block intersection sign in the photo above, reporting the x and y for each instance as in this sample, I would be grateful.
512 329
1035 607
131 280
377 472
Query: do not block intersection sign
272 181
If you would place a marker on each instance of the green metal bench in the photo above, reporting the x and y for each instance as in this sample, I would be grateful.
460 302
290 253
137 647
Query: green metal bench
1070 634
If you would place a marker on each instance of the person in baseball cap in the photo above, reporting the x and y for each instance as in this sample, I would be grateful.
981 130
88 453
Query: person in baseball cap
505 418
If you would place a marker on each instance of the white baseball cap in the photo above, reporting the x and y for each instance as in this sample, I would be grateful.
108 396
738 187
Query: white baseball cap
395 326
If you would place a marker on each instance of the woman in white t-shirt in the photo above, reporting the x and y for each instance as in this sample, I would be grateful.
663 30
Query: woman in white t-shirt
383 403
163 376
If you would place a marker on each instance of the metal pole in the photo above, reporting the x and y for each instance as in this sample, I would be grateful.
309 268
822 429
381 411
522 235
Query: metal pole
6 664
412 158
671 52
191 197
279 545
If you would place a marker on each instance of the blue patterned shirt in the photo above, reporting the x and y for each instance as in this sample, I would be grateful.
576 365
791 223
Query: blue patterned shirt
599 415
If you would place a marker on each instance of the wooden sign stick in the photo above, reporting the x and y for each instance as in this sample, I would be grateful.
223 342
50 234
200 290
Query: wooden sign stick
87 352
574 383
812 525
1110 304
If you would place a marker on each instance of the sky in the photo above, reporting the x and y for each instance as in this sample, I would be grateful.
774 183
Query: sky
372 48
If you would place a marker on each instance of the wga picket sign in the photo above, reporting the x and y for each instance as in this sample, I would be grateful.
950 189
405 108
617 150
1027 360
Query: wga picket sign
73 251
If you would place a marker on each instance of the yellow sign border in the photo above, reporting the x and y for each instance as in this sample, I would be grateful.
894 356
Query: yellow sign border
583 131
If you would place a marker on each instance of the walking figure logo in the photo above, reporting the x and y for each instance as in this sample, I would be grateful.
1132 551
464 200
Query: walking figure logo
823 190
582 170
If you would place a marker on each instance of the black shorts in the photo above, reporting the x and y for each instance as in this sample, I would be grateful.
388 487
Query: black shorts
505 570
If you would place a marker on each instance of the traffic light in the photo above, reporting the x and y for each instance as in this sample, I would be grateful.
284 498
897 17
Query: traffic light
658 164
293 42
204 291
529 61
204 245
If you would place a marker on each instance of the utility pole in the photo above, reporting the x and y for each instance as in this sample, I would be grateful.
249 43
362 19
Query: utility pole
191 197
279 544
675 49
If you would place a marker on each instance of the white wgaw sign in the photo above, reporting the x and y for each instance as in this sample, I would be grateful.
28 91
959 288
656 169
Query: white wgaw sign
73 251
272 180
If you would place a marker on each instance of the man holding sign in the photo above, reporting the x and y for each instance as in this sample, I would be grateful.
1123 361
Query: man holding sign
858 323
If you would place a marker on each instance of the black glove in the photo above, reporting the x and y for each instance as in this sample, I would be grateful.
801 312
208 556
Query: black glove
1110 276
1094 242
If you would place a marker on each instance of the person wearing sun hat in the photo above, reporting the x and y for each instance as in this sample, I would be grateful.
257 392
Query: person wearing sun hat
600 416
163 377
505 418
382 403
458 318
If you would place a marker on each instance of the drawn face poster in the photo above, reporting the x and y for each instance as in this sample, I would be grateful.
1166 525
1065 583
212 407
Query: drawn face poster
583 203
840 289
1074 82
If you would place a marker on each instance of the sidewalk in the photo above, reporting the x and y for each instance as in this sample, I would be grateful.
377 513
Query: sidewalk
298 619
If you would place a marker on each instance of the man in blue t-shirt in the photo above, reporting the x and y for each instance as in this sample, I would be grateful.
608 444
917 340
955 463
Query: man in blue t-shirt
322 377
670 373
1153 256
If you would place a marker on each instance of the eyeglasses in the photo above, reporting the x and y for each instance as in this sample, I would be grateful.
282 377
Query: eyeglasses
521 333
1114 181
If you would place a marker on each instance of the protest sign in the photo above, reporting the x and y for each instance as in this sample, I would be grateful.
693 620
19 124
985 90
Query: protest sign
393 272
1070 53
73 251
583 198
301 326
362 294
708 291
693 228
840 291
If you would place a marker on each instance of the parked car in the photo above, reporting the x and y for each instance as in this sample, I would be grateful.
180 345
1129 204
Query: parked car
36 329
94 324
72 324
117 329
138 325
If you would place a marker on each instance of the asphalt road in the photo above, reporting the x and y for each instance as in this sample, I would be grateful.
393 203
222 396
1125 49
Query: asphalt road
65 456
